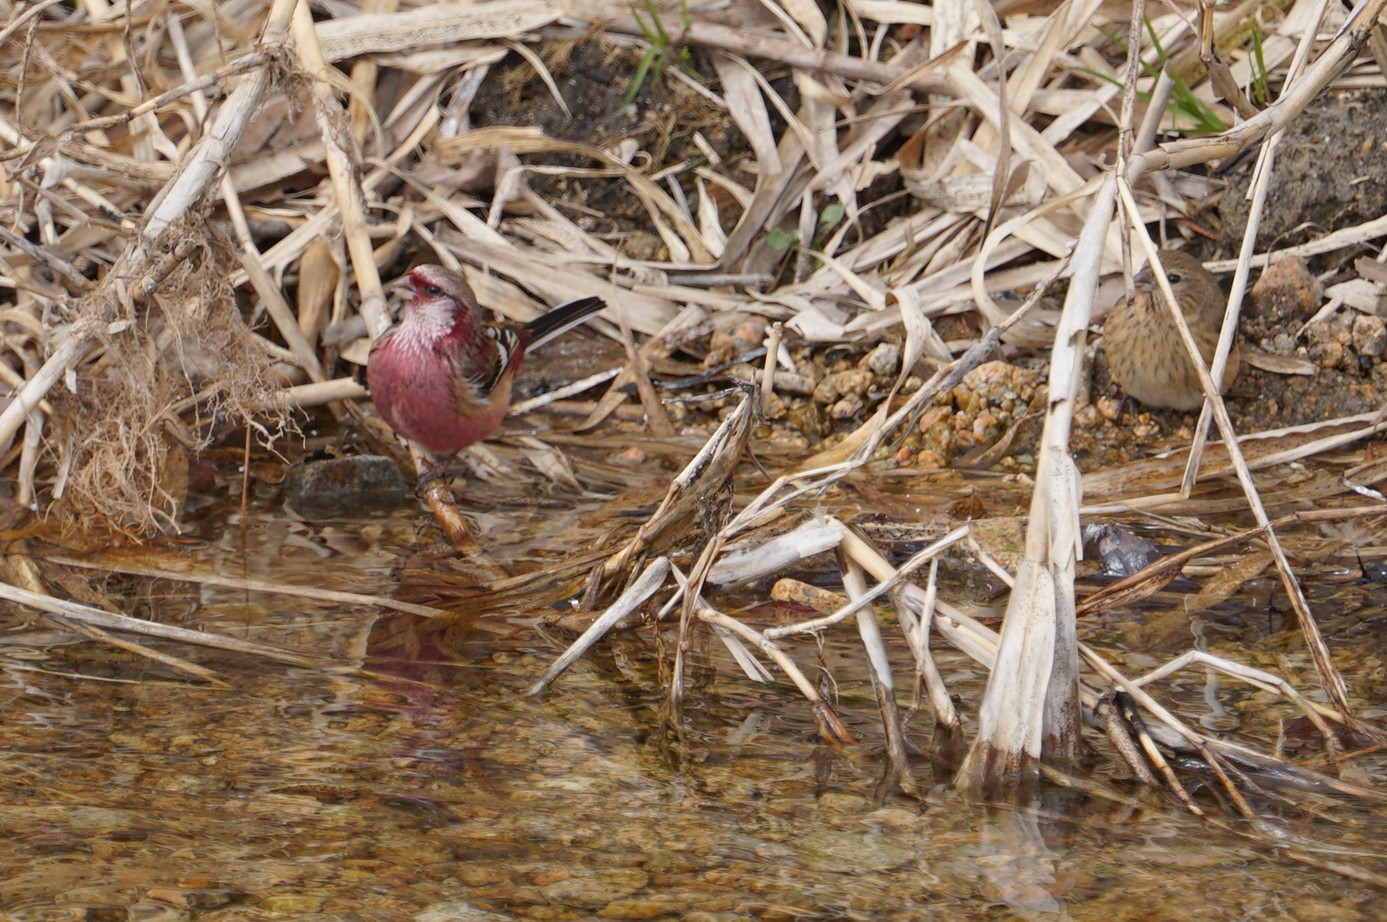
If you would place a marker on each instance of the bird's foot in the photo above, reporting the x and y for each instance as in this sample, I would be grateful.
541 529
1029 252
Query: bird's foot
430 474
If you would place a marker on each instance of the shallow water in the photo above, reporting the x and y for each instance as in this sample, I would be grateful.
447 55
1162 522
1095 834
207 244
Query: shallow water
437 791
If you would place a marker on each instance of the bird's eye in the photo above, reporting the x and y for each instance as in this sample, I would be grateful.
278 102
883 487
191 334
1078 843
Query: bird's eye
1175 278
433 291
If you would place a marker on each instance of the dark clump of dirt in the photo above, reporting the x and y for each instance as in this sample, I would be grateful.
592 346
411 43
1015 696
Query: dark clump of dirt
1330 170
662 119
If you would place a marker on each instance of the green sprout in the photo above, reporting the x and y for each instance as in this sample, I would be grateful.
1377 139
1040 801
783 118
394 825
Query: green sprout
652 63
782 240
1259 68
831 216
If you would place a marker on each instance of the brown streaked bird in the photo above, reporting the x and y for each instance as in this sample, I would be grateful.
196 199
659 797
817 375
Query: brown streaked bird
1145 353
443 376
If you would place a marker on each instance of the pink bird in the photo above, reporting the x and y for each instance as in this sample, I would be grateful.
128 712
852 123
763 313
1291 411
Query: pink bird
443 376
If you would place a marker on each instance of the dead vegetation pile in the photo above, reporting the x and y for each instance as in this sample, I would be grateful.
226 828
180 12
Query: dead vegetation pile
199 204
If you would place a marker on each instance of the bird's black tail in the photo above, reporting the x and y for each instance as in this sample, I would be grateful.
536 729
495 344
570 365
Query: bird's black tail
561 319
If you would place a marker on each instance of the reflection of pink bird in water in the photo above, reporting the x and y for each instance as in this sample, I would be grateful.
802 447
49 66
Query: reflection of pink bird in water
443 376
1145 353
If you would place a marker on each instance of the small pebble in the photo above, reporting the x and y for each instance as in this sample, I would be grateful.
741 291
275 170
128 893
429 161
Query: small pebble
930 461
631 458
883 360
791 383
1109 408
854 382
846 408
1285 293
1369 334
734 334
1327 343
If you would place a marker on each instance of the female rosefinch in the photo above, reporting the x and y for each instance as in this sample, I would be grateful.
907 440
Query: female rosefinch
1145 353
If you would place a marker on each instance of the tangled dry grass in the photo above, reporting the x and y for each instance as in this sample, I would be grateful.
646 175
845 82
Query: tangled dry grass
199 202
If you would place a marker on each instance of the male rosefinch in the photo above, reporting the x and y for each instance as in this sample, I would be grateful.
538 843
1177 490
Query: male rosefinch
443 375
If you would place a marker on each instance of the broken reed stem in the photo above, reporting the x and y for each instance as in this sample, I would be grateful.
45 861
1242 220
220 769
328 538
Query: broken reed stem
27 572
630 601
773 336
837 732
883 586
343 162
917 629
879 667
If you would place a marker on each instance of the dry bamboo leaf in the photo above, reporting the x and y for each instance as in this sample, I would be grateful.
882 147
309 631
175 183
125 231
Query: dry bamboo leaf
318 279
747 107
1360 294
812 321
1277 363
1029 143
920 336
809 17
550 462
542 71
753 559
869 291
709 220
893 11
503 298
434 24
969 194
955 21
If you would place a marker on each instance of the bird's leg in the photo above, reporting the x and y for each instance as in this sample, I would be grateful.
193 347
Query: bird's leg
437 471
1124 406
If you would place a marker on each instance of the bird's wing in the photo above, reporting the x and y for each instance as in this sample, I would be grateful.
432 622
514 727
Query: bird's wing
508 351
480 372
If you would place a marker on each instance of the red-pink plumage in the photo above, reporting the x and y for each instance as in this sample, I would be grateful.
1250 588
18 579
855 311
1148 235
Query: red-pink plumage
443 377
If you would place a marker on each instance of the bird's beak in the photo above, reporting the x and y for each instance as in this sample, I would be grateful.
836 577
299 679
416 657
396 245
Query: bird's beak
401 288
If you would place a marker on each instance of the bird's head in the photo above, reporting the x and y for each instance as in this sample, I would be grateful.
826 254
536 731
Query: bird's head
1181 269
439 302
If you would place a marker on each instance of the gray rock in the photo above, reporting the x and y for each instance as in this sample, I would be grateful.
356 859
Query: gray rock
345 488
